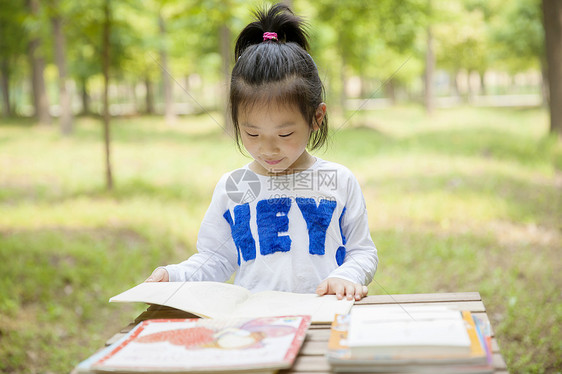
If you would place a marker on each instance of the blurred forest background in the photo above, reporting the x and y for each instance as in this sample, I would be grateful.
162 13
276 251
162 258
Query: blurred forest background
112 137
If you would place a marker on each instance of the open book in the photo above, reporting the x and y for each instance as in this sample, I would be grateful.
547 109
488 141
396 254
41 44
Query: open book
223 300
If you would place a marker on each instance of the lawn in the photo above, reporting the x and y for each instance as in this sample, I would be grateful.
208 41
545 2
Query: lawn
466 200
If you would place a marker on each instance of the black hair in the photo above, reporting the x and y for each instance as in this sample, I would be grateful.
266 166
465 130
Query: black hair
279 70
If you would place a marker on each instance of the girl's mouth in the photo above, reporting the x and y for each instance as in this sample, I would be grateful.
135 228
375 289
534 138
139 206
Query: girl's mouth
273 162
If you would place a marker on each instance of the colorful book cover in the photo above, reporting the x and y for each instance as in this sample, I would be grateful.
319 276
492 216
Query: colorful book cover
485 334
476 348
197 345
337 343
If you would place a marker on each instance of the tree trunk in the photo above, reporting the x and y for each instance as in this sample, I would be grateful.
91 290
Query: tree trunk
454 86
544 83
37 64
5 78
552 13
429 72
106 116
226 54
149 95
134 96
343 80
483 88
169 113
64 97
390 90
85 96
364 87
469 88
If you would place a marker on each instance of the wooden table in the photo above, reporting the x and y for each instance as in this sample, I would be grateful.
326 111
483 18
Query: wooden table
311 358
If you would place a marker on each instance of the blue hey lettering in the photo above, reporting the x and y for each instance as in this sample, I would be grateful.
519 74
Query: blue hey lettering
317 221
272 220
241 233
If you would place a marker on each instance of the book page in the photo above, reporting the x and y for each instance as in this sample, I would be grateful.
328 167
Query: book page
322 309
395 326
223 300
404 312
205 299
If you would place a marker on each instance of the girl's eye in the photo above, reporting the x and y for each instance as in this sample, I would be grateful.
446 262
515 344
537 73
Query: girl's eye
252 135
285 135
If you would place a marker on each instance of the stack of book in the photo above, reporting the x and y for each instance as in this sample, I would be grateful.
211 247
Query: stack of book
405 339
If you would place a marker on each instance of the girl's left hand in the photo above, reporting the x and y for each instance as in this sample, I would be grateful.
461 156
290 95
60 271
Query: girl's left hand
341 287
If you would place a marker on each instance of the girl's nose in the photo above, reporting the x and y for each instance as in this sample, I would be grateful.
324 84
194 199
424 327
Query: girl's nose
269 147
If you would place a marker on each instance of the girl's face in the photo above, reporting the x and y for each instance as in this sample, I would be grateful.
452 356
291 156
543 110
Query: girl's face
276 136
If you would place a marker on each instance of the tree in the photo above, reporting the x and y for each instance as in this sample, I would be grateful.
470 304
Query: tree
429 64
144 48
65 101
37 65
84 45
362 33
106 65
517 36
461 38
221 16
12 40
552 13
167 87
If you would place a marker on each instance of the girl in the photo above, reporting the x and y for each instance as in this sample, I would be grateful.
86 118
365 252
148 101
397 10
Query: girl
287 221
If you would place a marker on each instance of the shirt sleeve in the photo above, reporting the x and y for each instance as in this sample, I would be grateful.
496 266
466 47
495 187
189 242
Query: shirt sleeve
217 257
361 259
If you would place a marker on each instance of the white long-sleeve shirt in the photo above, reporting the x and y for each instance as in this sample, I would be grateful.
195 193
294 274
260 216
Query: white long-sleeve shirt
285 233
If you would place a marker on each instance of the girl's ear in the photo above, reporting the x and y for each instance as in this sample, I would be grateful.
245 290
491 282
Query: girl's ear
319 116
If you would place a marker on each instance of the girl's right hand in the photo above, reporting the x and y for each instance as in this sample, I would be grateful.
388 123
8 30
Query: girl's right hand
160 274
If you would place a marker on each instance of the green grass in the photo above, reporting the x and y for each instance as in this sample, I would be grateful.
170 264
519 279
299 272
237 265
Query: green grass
466 200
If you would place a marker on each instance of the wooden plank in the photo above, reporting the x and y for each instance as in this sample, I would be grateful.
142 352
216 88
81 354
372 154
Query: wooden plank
114 338
317 326
311 364
495 346
498 362
420 298
128 328
309 371
314 348
318 335
472 306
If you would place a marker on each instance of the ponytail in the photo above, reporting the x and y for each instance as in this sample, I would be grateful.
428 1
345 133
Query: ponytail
278 19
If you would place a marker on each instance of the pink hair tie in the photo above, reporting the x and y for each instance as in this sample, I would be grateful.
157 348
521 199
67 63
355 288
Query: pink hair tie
269 36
